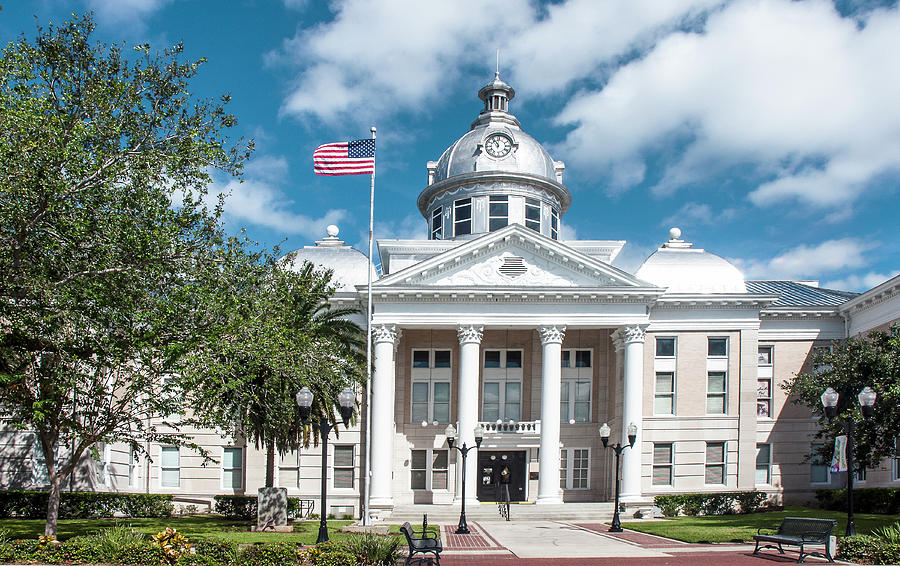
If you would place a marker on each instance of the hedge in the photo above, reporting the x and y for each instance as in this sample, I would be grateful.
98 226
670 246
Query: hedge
85 504
718 503
243 507
881 500
868 549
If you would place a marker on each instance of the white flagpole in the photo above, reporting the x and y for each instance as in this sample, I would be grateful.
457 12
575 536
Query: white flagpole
366 519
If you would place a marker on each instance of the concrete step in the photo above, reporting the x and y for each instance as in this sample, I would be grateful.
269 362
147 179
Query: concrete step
445 514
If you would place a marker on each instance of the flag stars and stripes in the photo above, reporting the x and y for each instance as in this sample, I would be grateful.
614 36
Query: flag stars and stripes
345 158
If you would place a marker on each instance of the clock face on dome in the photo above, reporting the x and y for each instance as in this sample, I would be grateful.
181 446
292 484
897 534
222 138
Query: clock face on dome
498 145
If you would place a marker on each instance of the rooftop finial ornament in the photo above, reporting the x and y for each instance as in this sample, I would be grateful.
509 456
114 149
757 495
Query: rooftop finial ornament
674 233
332 231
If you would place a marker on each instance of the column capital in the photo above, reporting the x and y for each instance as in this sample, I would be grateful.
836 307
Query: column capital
385 333
552 334
629 335
470 333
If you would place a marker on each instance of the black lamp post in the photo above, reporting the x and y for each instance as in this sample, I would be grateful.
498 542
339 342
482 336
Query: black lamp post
463 527
866 399
346 399
616 526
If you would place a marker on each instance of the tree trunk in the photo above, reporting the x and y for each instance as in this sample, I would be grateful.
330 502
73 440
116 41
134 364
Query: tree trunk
270 464
52 504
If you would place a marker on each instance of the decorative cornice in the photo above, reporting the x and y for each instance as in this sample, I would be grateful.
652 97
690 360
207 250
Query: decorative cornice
494 295
470 333
878 295
385 333
552 334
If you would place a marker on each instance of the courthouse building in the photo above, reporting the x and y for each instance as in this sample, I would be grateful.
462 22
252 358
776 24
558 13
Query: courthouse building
496 322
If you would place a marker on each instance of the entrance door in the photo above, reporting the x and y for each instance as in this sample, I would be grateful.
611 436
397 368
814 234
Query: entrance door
490 471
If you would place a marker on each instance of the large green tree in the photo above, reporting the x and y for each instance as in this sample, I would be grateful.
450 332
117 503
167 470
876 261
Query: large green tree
106 248
849 366
281 333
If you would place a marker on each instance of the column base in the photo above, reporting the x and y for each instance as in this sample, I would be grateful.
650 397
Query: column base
381 503
632 498
549 500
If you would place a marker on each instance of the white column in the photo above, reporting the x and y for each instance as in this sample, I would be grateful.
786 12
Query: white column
551 372
632 410
385 338
467 406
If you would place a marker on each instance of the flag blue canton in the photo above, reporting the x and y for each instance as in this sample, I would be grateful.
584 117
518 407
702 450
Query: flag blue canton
361 148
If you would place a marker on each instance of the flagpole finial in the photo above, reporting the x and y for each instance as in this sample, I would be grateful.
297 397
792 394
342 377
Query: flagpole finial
372 129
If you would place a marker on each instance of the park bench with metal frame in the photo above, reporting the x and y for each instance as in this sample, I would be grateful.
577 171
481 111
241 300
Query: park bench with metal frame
798 531
425 542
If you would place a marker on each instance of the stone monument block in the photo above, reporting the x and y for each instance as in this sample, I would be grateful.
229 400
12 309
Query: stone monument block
271 508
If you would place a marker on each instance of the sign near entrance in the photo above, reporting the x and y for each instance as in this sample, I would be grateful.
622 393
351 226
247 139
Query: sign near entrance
498 469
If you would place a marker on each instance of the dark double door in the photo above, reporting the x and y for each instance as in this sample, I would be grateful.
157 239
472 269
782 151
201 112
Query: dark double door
491 477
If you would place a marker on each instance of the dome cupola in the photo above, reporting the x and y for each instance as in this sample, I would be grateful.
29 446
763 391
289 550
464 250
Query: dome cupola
494 175
684 269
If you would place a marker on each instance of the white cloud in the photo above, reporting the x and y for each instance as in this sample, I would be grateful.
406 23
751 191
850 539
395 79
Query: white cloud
567 232
862 282
125 12
809 262
805 97
698 214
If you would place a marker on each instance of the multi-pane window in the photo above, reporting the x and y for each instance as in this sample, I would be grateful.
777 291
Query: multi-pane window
715 463
430 395
861 474
818 468
437 224
763 464
289 470
664 395
428 469
502 388
575 392
554 223
663 458
574 464
718 347
498 212
715 393
169 466
232 468
462 217
533 214
665 347
764 382
344 466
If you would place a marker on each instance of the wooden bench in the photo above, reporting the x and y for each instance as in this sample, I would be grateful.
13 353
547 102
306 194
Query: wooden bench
798 531
423 544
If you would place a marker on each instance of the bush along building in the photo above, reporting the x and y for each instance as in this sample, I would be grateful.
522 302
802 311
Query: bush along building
495 322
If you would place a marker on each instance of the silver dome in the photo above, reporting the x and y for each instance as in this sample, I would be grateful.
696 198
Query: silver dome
347 264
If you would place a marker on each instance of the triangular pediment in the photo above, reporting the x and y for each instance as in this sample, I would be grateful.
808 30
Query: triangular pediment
512 257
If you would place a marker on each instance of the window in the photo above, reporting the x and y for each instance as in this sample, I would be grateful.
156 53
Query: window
344 467
554 223
665 347
765 356
39 474
715 393
575 393
430 395
533 214
715 463
763 464
574 465
288 472
818 468
664 396
437 226
498 212
718 347
428 469
462 217
861 475
170 467
502 388
232 468
764 382
663 456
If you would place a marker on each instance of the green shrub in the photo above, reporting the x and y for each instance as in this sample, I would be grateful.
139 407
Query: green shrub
889 533
84 505
116 544
331 553
881 500
269 554
84 550
216 551
243 507
750 501
691 503
718 504
868 549
721 503
374 550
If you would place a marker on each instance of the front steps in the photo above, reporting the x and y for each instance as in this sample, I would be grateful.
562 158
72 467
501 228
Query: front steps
447 514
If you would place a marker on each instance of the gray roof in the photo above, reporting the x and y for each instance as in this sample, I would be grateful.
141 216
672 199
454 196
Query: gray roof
794 294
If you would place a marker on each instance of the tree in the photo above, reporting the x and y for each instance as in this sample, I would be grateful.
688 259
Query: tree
106 247
282 334
851 365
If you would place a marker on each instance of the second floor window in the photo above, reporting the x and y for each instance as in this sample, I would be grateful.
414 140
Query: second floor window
430 395
437 225
502 389
533 214
498 212
462 217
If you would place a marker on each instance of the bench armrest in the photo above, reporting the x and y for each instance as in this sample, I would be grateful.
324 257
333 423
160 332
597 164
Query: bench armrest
429 532
761 529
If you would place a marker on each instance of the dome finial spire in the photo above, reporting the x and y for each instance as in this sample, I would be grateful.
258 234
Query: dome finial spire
497 72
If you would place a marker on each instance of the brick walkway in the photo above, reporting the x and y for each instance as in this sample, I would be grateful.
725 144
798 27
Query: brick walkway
476 540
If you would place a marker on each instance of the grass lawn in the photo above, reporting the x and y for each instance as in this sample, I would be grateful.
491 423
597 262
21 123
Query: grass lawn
740 528
193 527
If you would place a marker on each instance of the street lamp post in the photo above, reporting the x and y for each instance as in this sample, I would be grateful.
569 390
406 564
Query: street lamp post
463 527
616 526
866 400
346 399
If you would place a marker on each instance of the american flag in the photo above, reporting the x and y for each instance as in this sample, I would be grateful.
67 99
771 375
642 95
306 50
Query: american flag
345 158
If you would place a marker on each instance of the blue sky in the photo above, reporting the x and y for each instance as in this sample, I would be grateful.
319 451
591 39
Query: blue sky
767 130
